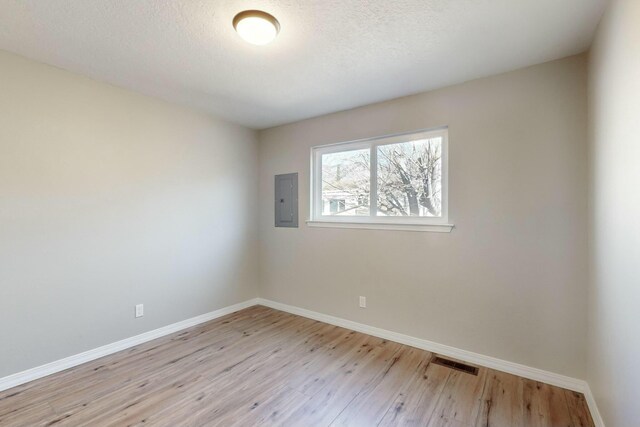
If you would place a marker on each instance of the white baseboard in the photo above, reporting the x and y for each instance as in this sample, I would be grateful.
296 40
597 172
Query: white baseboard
593 407
467 356
96 353
445 350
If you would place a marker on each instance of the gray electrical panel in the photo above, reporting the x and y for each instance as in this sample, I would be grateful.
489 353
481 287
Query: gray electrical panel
286 202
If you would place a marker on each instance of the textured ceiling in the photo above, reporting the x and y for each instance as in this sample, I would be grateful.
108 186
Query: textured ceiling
330 55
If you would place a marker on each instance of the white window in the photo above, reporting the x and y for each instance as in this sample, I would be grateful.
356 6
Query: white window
397 182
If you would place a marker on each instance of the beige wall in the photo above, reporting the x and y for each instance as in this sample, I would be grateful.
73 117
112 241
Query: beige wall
614 297
108 199
510 280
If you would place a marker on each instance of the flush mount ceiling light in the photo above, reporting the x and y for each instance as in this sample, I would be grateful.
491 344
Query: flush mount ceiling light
256 27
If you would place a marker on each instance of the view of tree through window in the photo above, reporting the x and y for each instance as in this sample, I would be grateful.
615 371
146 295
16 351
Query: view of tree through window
409 178
392 177
346 183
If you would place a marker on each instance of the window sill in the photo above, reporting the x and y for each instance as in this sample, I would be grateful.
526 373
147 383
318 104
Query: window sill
434 228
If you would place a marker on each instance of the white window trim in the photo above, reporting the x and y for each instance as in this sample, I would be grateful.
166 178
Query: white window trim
437 224
436 228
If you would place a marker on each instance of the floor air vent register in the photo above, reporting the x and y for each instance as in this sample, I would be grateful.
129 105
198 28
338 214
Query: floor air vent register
458 366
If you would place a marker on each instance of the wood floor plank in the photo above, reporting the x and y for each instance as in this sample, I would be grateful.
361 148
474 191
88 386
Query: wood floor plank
247 378
273 411
184 373
313 376
278 375
545 406
251 387
460 401
261 366
323 407
37 415
578 409
502 401
415 404
372 403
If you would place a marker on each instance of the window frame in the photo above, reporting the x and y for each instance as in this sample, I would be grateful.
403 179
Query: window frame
373 221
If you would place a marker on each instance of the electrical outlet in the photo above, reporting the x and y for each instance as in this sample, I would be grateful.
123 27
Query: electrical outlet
363 302
139 310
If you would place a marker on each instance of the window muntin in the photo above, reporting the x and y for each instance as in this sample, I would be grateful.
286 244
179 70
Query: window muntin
395 179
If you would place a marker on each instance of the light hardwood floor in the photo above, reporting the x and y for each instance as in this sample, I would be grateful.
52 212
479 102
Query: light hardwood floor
260 366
